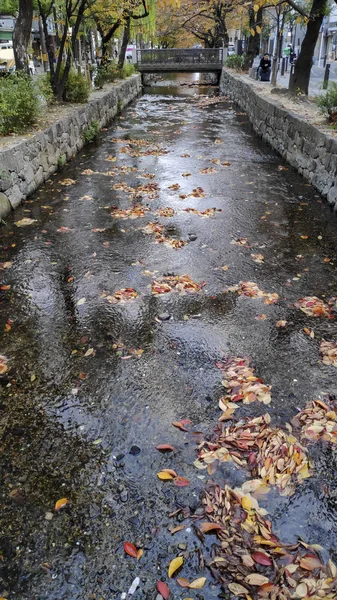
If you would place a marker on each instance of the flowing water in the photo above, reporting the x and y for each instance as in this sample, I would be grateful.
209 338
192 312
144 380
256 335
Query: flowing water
81 413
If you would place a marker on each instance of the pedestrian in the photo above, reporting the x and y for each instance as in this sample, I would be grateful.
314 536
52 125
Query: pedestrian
264 69
31 66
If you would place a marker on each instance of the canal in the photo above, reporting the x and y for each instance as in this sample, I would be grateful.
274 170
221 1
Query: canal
106 343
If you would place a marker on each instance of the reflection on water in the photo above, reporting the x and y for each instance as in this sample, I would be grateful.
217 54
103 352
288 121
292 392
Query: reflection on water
189 84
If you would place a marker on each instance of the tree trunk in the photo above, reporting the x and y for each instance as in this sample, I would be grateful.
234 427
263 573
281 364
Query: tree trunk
125 41
253 40
299 82
22 33
50 49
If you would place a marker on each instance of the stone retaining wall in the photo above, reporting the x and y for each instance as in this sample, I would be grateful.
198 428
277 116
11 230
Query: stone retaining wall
311 151
26 164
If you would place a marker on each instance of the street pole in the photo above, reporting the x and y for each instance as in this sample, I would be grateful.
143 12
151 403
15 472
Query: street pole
321 45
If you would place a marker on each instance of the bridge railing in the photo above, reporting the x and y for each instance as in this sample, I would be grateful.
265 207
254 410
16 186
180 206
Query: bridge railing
180 55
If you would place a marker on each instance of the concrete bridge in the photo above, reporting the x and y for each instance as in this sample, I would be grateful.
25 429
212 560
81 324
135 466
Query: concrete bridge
182 60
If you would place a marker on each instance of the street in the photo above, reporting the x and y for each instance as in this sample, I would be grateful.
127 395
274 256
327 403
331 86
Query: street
128 281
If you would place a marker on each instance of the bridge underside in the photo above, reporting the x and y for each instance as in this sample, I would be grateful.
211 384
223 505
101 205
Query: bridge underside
179 68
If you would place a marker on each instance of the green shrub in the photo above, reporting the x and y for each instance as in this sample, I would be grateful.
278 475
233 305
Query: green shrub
329 100
127 70
106 73
91 132
45 89
235 62
77 88
19 103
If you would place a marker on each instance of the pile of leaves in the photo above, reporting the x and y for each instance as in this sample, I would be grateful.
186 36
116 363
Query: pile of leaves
209 212
177 283
160 238
270 453
121 296
251 560
241 383
124 187
166 212
208 170
329 352
318 421
314 307
149 189
3 365
138 210
252 290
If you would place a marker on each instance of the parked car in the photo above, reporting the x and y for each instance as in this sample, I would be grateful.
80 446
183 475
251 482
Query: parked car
7 61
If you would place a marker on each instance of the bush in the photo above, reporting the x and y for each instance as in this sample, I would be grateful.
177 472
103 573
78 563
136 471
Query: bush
106 74
45 89
235 62
77 88
127 70
329 100
19 103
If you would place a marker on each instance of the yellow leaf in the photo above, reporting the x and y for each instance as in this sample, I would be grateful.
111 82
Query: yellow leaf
246 503
256 7
61 503
164 475
258 29
175 564
252 32
197 584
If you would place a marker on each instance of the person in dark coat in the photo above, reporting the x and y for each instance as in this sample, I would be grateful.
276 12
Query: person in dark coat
264 68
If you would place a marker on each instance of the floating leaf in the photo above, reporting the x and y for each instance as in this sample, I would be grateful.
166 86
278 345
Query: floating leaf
175 564
197 584
130 549
163 589
61 503
165 448
25 221
206 527
81 301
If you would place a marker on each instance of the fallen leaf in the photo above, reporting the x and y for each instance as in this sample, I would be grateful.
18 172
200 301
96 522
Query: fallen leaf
310 562
262 559
175 564
165 448
130 549
237 589
164 475
179 425
61 503
81 301
206 527
281 323
181 481
25 221
256 579
140 553
197 584
89 352
183 582
163 589
301 590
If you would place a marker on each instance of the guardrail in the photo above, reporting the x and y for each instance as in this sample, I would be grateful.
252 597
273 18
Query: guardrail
178 56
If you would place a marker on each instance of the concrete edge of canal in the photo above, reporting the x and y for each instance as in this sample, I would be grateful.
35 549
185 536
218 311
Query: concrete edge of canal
25 165
310 151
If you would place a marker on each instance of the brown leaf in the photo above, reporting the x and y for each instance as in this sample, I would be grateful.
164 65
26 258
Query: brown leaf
183 582
181 481
310 562
206 527
165 448
256 579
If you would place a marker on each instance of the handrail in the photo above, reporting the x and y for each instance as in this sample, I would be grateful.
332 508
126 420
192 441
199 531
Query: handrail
180 55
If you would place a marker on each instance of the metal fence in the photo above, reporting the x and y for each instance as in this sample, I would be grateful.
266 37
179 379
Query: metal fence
175 56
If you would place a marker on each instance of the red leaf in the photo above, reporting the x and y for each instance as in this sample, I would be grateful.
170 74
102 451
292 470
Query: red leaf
179 425
165 448
181 481
163 589
130 549
262 559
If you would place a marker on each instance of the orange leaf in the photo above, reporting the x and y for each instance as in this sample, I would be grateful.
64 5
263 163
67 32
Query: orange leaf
206 527
184 583
179 425
165 448
181 481
130 549
170 471
164 475
61 503
163 589
310 562
140 553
